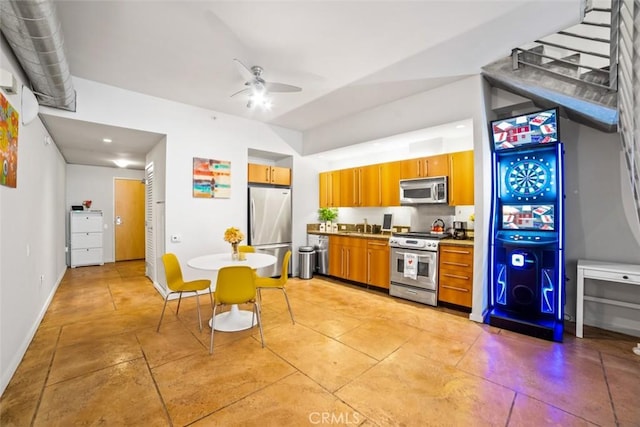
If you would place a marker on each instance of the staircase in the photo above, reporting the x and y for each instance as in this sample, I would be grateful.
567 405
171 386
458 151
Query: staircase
590 70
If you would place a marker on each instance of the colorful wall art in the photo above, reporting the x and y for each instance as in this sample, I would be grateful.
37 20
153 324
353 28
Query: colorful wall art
9 123
211 178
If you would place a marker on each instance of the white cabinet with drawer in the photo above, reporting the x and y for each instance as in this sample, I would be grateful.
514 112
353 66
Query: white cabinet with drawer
85 229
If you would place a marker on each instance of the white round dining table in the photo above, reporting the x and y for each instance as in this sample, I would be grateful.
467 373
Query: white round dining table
234 319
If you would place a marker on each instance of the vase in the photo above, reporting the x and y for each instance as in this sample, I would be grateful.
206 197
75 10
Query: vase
235 253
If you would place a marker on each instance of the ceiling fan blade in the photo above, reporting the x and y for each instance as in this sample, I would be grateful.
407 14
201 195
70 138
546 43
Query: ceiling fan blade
244 71
281 87
246 90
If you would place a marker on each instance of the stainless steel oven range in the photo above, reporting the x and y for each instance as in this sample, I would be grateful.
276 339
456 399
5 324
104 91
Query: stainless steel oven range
420 284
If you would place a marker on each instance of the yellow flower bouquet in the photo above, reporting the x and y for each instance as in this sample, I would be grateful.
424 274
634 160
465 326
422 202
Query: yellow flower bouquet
233 236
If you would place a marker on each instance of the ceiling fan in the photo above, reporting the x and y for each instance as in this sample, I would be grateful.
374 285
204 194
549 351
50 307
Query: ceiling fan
257 89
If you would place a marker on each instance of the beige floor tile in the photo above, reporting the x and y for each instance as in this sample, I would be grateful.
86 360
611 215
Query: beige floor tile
550 372
81 358
529 412
199 385
323 319
328 362
293 401
123 394
173 342
378 338
436 347
407 389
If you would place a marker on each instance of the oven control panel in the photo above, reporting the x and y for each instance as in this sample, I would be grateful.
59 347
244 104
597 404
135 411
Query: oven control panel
413 243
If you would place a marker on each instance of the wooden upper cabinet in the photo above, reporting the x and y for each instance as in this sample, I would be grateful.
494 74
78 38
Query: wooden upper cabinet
280 175
461 179
390 183
370 186
266 174
350 187
425 167
329 190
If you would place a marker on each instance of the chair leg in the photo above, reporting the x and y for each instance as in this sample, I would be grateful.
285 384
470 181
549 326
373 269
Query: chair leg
179 299
198 309
163 307
213 327
256 309
288 305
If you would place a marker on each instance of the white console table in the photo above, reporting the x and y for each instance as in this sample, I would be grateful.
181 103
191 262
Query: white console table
607 271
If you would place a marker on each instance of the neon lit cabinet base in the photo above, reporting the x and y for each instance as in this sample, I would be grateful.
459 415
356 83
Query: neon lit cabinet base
546 329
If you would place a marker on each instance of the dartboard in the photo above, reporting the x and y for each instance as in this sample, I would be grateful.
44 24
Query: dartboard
527 178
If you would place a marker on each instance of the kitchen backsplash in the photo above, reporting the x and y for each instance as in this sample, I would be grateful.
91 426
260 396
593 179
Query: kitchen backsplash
418 218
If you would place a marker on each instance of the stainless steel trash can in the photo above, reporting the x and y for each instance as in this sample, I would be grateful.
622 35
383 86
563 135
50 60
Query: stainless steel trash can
306 261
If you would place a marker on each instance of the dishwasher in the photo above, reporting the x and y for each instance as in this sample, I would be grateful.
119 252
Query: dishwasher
321 246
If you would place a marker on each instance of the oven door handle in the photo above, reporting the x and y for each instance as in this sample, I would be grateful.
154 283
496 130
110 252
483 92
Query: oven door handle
408 253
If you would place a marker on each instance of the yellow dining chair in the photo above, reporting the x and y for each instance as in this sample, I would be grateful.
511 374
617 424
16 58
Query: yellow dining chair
271 283
236 285
177 285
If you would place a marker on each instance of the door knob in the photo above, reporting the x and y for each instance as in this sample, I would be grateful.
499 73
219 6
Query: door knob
118 220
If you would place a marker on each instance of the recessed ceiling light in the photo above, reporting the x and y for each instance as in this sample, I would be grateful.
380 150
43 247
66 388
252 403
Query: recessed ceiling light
121 163
107 140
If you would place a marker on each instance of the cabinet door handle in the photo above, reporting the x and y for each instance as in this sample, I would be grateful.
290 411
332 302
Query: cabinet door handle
455 288
266 174
453 251
455 276
458 264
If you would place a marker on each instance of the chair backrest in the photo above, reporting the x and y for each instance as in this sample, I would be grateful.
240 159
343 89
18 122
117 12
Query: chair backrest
235 285
284 275
172 271
246 249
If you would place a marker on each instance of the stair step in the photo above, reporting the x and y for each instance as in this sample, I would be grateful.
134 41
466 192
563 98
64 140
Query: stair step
548 43
580 36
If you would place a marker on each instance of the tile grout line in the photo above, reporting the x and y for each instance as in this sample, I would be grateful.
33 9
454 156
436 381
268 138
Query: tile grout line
46 380
606 381
153 378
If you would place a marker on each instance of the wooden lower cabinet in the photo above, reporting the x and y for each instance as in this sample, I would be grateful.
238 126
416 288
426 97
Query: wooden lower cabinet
347 258
378 263
455 275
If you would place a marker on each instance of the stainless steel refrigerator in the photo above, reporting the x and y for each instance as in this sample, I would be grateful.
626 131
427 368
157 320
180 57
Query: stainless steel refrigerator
269 229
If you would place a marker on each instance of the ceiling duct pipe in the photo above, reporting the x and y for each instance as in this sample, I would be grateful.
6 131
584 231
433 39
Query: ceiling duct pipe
34 32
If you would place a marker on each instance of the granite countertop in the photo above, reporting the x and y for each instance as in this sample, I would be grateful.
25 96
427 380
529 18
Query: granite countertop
352 234
456 242
450 241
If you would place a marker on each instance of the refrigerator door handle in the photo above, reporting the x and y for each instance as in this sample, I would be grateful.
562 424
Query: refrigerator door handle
252 214
274 246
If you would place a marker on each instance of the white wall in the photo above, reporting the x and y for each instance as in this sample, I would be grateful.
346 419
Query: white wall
97 184
32 239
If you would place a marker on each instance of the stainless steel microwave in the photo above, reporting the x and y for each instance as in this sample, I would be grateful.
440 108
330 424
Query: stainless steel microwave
423 190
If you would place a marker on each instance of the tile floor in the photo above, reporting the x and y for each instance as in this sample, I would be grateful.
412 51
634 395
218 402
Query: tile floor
354 357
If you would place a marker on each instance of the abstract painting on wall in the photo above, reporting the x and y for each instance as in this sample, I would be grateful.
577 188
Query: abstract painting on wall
9 123
211 178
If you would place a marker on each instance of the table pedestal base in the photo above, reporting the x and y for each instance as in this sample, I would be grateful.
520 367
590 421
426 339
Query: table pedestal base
234 320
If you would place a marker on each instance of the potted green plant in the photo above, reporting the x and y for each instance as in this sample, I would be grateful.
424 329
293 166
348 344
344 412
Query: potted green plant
327 215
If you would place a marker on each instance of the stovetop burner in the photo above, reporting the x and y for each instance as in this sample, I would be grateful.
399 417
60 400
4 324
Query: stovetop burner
422 235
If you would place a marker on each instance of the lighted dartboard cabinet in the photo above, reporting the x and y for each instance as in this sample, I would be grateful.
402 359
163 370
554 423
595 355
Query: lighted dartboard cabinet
526 292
